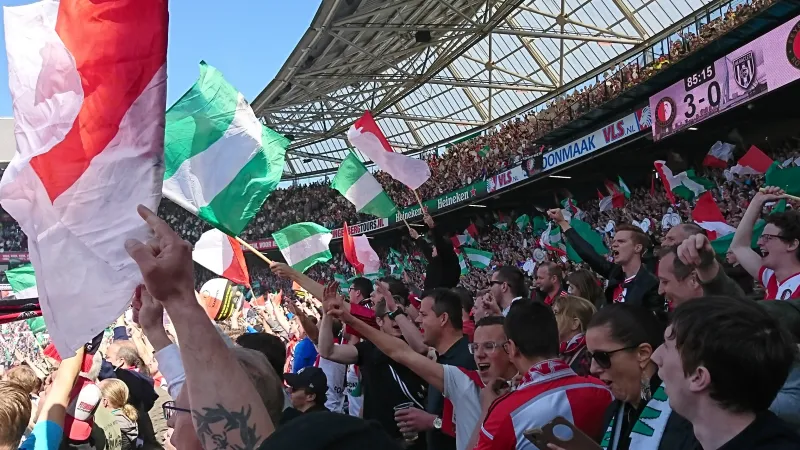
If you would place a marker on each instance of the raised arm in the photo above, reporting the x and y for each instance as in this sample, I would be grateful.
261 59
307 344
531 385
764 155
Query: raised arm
342 353
407 327
397 350
581 247
308 326
742 240
225 405
283 270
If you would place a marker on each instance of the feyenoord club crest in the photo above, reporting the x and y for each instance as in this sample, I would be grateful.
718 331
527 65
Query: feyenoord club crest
793 46
665 112
744 68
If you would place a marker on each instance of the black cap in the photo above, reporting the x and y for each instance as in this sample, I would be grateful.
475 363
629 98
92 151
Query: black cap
311 378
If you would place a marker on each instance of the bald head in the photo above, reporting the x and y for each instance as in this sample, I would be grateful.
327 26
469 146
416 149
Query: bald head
680 233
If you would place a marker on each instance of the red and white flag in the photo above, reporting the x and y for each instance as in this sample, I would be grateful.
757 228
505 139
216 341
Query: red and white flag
706 213
88 83
359 253
221 254
367 137
753 162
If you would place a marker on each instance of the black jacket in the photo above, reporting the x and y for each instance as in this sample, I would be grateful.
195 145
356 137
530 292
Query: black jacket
678 433
642 291
767 432
443 270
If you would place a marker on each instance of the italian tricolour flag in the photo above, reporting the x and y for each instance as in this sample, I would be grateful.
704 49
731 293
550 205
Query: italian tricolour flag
23 282
356 184
706 213
88 84
221 254
221 162
304 244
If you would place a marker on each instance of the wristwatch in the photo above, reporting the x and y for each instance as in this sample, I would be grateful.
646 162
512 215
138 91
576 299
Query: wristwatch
437 423
397 312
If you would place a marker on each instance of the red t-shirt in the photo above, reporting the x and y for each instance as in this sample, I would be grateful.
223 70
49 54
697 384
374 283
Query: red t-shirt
785 290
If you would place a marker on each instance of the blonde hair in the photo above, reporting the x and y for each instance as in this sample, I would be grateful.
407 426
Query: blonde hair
572 307
24 377
116 392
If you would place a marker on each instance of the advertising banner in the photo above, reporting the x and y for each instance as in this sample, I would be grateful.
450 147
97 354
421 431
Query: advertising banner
8 256
763 65
611 133
505 179
458 197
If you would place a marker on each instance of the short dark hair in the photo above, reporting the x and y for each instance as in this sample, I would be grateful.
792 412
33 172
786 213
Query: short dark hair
553 269
533 328
362 285
638 236
630 325
491 320
467 299
746 352
789 224
446 301
682 271
397 287
268 345
515 279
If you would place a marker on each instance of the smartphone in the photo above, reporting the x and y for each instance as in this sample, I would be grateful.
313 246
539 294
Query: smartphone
562 433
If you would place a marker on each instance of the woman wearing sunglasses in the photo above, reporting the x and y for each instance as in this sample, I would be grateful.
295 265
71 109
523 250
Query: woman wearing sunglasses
620 339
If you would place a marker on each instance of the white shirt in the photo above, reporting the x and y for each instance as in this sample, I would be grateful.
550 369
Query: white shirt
505 310
355 397
464 392
335 373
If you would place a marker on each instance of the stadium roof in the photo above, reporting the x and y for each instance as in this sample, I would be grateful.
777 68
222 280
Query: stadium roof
433 69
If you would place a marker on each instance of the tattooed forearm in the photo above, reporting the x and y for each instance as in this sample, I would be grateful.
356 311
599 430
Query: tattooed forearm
219 428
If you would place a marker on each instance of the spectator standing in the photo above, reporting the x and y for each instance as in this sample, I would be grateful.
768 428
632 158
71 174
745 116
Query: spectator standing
549 388
506 287
573 315
723 362
629 280
584 284
549 282
621 339
308 392
779 269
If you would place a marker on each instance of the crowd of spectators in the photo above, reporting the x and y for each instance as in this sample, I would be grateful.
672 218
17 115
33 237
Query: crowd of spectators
18 343
463 163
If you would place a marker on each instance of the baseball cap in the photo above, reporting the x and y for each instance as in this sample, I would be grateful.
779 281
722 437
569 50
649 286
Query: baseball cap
311 378
83 401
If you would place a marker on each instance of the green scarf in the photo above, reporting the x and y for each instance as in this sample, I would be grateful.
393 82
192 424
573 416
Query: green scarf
648 429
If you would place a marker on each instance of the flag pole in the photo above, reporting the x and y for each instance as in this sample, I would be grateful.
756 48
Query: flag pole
256 252
407 225
419 200
792 197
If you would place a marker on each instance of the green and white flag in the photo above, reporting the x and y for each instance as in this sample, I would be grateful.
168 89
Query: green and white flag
375 275
23 281
463 264
478 258
484 151
624 187
341 279
220 162
304 244
523 221
502 226
356 184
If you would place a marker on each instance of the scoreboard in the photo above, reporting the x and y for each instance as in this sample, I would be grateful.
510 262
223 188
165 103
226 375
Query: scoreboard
763 65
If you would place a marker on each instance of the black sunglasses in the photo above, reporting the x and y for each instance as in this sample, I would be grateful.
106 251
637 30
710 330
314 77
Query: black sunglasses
603 359
169 409
493 282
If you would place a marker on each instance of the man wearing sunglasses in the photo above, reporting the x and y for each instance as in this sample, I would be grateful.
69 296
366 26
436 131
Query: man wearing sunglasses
507 286
778 265
549 387
459 385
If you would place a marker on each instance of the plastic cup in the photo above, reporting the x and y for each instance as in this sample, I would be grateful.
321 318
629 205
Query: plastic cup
410 436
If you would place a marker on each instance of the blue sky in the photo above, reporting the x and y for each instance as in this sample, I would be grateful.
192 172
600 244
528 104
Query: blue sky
248 40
